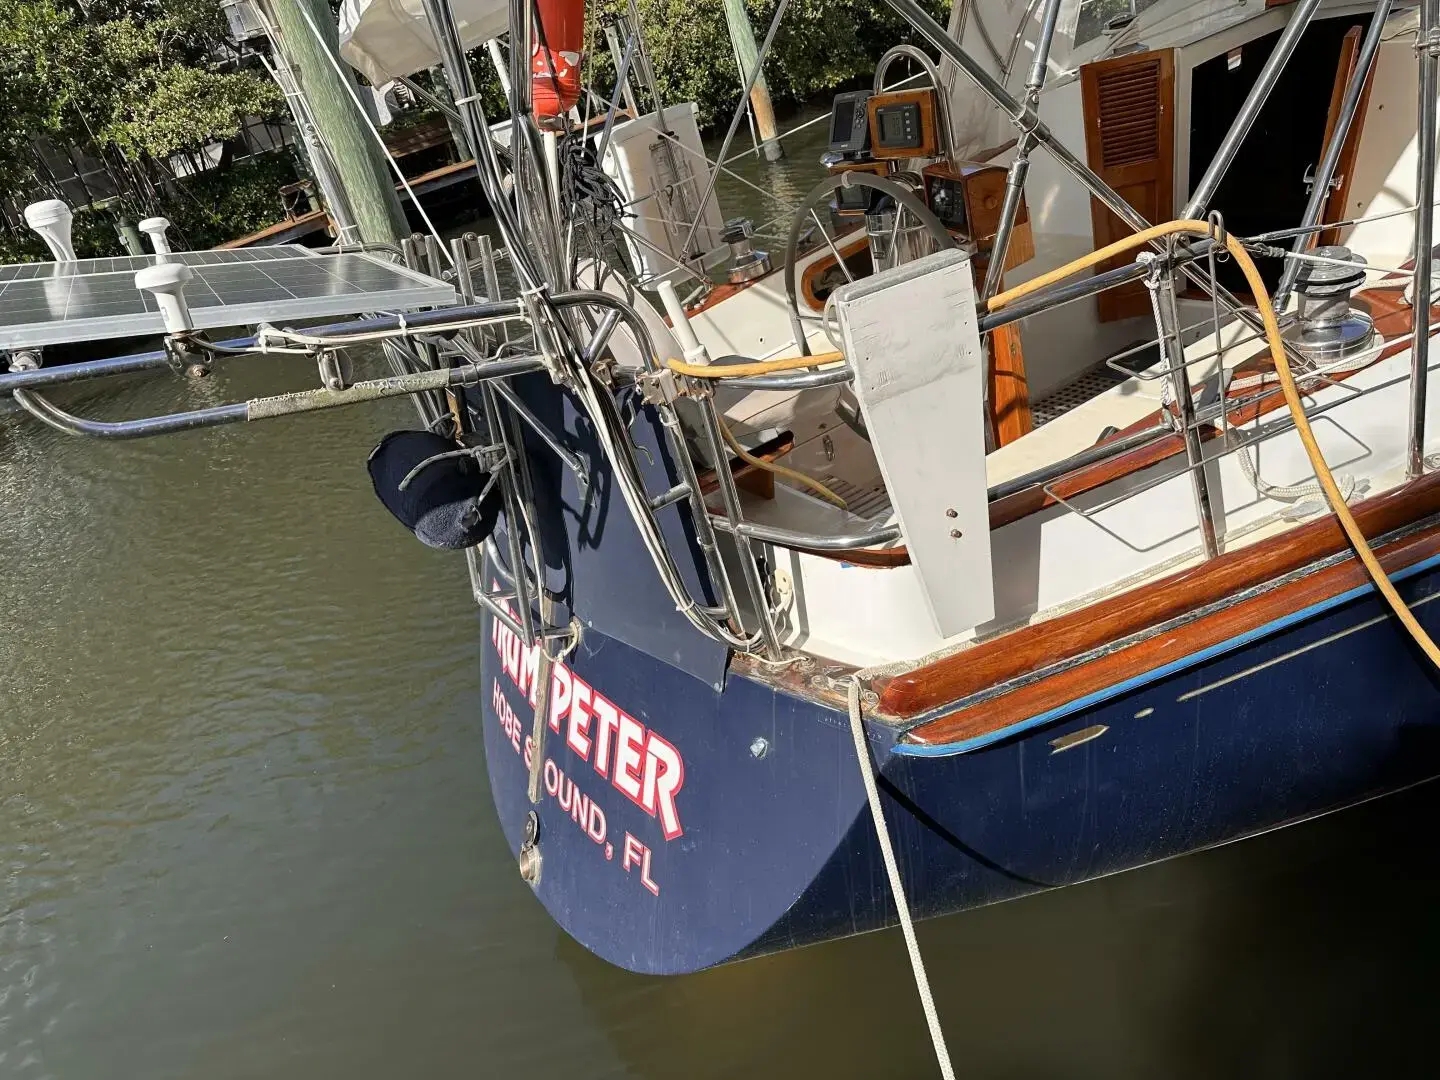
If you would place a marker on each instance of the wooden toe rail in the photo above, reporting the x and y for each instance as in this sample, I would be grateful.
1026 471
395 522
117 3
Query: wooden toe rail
1032 648
1206 632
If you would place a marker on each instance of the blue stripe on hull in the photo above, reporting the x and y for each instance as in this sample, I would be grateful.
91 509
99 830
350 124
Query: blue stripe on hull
963 746
777 850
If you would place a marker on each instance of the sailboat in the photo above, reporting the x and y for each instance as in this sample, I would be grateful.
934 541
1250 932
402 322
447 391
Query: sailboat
1060 499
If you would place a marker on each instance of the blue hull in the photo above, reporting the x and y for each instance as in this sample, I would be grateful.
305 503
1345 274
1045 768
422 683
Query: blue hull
770 844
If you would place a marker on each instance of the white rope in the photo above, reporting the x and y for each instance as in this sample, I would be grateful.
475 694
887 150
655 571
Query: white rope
882 833
296 337
1287 492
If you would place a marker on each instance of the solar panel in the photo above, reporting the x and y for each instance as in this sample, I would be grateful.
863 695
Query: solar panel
92 299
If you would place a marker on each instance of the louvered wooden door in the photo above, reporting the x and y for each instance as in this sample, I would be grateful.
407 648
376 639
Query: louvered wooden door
1129 105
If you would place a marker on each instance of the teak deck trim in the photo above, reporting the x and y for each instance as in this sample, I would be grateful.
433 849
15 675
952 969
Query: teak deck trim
1044 699
1033 648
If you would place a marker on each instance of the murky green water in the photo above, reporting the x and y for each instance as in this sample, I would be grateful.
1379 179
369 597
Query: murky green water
245 832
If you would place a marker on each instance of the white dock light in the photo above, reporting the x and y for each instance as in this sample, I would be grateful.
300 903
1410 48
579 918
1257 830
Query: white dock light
154 227
167 281
51 219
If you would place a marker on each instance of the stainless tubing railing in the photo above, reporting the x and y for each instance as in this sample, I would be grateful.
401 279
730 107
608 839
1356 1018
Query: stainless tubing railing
803 380
1059 295
1428 44
704 528
1093 455
1161 284
95 369
774 534
267 408
1325 171
47 412
1020 167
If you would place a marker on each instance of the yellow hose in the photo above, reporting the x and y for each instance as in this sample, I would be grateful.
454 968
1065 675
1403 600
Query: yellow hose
756 367
1277 353
762 367
1060 273
1287 385
779 470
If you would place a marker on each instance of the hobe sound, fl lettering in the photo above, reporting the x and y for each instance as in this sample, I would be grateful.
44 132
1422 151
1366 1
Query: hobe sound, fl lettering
635 760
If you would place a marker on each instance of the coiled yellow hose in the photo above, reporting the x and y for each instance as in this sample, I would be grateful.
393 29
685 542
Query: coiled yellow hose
1287 384
1196 228
779 470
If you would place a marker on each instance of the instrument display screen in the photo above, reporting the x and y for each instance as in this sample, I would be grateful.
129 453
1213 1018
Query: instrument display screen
947 201
849 124
852 200
899 127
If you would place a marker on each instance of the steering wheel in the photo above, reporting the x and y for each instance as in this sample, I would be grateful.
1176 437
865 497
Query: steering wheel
903 198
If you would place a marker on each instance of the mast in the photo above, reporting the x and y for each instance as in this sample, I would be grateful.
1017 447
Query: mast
371 193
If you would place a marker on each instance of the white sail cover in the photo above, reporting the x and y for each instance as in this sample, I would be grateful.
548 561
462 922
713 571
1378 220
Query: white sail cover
384 39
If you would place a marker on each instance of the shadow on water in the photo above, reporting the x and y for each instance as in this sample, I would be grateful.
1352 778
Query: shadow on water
1306 953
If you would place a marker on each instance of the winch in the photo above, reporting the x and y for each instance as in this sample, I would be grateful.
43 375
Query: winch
1326 326
746 264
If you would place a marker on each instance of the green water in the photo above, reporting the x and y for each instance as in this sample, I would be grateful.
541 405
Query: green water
245 831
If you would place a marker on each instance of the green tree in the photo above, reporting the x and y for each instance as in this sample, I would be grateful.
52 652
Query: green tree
133 83
821 44
40 43
173 108
162 92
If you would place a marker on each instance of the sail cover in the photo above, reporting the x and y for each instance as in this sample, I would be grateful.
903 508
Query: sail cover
383 39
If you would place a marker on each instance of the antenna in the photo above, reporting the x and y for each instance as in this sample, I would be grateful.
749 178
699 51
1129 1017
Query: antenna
167 281
51 219
154 227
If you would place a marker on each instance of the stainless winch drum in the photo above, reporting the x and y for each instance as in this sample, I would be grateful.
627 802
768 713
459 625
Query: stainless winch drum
1326 326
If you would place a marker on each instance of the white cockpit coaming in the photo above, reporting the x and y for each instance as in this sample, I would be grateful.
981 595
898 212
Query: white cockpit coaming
1130 530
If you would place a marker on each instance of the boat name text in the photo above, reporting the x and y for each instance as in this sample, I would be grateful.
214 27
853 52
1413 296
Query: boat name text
639 763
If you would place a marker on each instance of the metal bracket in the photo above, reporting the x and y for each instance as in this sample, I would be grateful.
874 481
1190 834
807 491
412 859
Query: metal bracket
1428 42
529 857
544 341
493 456
23 360
658 387
1309 180
184 358
335 368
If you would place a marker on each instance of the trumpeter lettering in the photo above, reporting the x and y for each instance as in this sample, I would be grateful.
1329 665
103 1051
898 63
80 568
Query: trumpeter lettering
639 763
637 854
509 722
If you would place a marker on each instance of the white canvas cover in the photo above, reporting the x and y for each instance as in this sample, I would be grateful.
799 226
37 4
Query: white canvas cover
383 39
